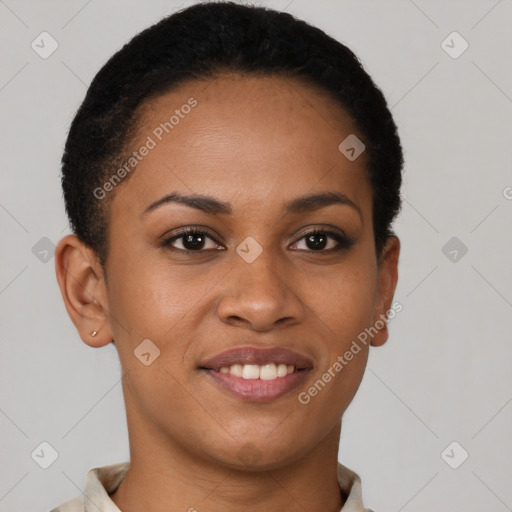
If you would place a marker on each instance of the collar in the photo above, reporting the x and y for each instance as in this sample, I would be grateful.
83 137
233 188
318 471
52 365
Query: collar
102 481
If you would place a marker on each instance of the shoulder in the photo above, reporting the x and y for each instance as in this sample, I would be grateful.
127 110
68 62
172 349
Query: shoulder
351 488
74 505
99 484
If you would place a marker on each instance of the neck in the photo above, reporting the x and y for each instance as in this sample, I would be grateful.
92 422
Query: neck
165 477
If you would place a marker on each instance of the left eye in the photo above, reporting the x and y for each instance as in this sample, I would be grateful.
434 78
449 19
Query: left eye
318 241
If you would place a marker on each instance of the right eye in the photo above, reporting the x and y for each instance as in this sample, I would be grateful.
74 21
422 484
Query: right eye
191 240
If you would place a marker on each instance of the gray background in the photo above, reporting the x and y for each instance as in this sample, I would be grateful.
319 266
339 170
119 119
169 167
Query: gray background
444 374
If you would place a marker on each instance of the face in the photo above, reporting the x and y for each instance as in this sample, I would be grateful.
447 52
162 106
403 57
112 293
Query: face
263 270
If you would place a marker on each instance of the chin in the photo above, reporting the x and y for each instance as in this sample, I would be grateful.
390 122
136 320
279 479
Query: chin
257 453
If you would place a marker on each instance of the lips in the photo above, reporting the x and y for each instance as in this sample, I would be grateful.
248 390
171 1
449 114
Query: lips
259 356
236 371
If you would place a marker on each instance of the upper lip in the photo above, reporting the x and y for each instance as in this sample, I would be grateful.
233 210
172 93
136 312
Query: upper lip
260 356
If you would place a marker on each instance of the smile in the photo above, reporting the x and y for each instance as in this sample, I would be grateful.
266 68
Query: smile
257 375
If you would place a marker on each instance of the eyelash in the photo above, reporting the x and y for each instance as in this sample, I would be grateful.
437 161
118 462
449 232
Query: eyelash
343 242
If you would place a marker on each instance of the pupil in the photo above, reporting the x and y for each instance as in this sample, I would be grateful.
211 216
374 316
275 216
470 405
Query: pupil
193 241
316 241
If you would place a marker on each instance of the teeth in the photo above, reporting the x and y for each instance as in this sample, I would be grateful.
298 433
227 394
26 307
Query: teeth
282 370
268 371
251 371
236 370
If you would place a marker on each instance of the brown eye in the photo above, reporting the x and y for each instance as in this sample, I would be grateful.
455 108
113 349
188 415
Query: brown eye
191 240
323 241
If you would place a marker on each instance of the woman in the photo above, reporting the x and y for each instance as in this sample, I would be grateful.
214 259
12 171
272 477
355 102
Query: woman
231 179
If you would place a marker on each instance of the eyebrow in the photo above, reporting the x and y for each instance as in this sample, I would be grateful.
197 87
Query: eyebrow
208 204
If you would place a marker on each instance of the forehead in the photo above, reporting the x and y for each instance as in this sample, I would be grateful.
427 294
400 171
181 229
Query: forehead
246 139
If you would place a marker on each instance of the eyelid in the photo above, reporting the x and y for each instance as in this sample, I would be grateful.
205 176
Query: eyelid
317 228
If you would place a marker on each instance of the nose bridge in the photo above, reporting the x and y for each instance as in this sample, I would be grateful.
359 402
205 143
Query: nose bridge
262 276
258 293
261 279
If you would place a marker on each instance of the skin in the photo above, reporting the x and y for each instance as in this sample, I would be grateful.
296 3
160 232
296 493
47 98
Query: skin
257 143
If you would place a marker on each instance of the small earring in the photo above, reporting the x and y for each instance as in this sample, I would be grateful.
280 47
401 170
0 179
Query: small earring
93 333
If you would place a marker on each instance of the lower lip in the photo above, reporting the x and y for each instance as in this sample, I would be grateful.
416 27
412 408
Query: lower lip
257 390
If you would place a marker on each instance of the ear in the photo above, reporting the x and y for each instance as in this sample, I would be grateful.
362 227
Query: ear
387 278
82 285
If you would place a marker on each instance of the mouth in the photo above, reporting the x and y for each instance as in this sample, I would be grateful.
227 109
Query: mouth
258 375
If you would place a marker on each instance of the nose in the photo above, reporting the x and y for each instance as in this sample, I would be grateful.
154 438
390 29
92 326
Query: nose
260 296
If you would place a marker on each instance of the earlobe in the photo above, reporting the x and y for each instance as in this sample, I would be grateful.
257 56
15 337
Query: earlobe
82 287
387 279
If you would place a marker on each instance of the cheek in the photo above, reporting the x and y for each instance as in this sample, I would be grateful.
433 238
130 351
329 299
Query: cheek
149 297
349 309
344 306
343 314
343 302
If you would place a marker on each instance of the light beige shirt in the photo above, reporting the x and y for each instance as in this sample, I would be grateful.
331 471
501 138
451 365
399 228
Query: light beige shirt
101 482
